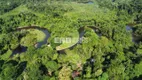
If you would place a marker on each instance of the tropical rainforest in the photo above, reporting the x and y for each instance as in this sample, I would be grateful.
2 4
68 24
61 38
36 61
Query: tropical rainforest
70 39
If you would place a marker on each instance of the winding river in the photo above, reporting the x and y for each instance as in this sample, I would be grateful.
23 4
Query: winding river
44 30
81 31
21 48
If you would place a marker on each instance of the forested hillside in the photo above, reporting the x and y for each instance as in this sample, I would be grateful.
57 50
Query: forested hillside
70 39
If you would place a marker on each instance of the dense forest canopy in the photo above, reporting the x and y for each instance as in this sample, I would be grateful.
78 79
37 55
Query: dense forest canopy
110 45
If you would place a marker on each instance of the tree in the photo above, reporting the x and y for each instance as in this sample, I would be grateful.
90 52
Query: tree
65 73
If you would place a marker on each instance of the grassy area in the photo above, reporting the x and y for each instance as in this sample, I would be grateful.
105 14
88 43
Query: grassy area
73 41
20 9
80 10
39 34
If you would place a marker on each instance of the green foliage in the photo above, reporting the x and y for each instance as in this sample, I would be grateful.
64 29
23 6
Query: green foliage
51 65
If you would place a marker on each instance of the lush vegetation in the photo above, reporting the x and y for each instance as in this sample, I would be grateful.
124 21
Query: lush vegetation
111 54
